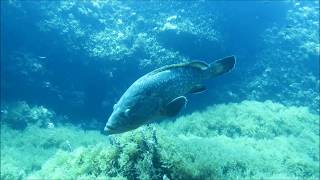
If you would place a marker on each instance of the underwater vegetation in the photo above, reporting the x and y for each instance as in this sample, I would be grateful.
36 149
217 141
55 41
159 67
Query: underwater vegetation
247 140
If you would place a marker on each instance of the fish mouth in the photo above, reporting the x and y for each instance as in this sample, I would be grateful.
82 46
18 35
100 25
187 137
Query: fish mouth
109 130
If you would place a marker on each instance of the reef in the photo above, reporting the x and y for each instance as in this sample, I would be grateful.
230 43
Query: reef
129 29
288 66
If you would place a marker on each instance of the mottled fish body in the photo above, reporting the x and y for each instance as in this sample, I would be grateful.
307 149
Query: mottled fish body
160 93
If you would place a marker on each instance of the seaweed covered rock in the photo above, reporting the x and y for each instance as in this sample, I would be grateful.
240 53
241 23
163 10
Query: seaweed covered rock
259 120
247 140
19 115
23 152
251 139
131 156
29 138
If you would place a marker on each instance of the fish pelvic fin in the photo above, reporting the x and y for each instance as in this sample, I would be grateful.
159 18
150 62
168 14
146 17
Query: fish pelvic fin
175 106
199 88
221 66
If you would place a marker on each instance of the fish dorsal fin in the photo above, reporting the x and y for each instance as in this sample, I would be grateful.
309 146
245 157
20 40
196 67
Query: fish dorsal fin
199 64
175 106
194 64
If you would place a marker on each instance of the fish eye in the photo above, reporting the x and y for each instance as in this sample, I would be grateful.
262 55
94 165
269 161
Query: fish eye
126 112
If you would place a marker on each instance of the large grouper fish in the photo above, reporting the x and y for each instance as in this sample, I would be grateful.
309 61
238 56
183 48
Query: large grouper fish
161 93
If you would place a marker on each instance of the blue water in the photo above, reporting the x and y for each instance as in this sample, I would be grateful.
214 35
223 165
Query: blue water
76 58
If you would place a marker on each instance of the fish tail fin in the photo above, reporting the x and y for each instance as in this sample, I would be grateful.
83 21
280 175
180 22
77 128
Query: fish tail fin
221 66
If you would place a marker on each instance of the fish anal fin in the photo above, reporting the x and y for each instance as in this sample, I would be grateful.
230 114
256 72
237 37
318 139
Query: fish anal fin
199 88
175 106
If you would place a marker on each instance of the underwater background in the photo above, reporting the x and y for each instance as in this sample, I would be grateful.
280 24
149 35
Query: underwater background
64 64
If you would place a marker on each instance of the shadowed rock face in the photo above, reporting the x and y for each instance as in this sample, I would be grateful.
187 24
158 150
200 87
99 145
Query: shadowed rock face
190 45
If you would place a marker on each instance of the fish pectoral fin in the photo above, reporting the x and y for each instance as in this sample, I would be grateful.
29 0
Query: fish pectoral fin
175 106
198 89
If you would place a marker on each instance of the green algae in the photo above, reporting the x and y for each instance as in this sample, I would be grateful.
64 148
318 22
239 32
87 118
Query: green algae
247 140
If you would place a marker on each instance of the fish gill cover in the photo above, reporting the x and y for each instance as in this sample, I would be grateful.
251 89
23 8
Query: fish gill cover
64 64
